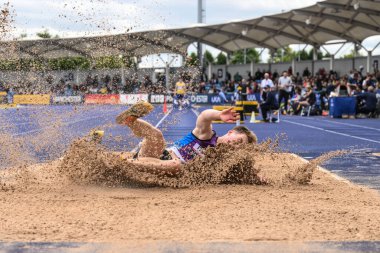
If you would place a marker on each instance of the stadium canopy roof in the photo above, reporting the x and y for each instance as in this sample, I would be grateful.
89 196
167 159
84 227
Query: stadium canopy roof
343 20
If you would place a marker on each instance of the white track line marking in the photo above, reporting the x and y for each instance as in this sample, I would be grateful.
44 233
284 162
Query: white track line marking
335 176
195 112
333 132
157 125
163 118
347 124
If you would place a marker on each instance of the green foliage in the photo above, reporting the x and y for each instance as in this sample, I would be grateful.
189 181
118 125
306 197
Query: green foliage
192 60
221 59
252 55
319 55
352 54
284 55
44 34
303 55
208 57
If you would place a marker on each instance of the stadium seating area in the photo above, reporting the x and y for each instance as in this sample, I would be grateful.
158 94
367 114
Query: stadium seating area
323 83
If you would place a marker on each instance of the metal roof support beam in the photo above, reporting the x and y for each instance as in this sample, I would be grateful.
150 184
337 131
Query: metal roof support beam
157 43
373 49
193 38
322 29
279 32
239 36
369 59
347 8
69 48
337 18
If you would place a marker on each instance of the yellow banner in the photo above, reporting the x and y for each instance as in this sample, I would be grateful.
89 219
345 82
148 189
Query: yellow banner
3 93
32 99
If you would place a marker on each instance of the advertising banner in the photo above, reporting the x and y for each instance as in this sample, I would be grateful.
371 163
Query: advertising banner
67 99
160 98
102 99
215 99
131 99
31 99
199 99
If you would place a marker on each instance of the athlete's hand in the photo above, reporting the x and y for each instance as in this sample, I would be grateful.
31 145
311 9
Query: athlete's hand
229 115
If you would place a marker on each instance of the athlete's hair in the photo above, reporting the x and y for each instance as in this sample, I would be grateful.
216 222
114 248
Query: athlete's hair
252 138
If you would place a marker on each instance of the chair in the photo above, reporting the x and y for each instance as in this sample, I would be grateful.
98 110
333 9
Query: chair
306 108
274 112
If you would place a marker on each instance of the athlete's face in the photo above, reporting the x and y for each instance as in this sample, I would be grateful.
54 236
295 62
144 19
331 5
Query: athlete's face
233 137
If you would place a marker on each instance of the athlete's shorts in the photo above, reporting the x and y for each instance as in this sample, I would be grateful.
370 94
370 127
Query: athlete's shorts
180 96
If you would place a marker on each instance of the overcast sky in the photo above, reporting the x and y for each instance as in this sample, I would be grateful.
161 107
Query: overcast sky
71 18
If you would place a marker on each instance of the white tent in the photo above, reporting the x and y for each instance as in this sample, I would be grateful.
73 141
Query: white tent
344 20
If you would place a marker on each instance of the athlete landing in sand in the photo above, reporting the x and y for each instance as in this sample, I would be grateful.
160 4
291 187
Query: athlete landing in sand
152 153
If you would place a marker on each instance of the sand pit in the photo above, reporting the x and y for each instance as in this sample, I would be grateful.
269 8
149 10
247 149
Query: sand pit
50 208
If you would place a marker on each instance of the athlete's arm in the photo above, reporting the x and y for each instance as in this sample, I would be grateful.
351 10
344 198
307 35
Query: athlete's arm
203 127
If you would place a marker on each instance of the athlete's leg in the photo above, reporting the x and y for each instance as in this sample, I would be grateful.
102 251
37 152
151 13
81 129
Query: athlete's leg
153 143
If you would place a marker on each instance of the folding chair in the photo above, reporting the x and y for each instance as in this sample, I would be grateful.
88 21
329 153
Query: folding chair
273 112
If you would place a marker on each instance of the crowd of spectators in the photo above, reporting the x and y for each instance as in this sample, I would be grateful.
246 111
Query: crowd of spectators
294 91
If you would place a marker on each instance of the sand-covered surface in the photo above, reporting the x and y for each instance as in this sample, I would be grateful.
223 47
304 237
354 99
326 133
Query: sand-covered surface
48 207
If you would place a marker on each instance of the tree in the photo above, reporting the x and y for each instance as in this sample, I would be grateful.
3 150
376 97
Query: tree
23 35
192 60
251 55
208 57
352 54
221 59
319 54
237 57
285 54
303 55
44 34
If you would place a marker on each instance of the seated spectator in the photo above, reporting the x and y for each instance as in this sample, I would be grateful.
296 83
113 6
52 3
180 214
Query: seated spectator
308 99
342 89
68 90
367 101
222 95
103 90
270 103
93 89
295 99
368 81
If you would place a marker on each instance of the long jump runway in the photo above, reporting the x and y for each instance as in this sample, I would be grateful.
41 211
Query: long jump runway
308 137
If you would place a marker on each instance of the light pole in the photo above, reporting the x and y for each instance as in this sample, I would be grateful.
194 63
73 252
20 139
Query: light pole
122 70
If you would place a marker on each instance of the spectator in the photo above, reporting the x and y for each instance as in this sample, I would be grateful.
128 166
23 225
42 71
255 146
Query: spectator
368 81
306 72
270 103
68 90
10 95
237 77
294 101
308 99
285 88
93 89
266 82
258 75
367 101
